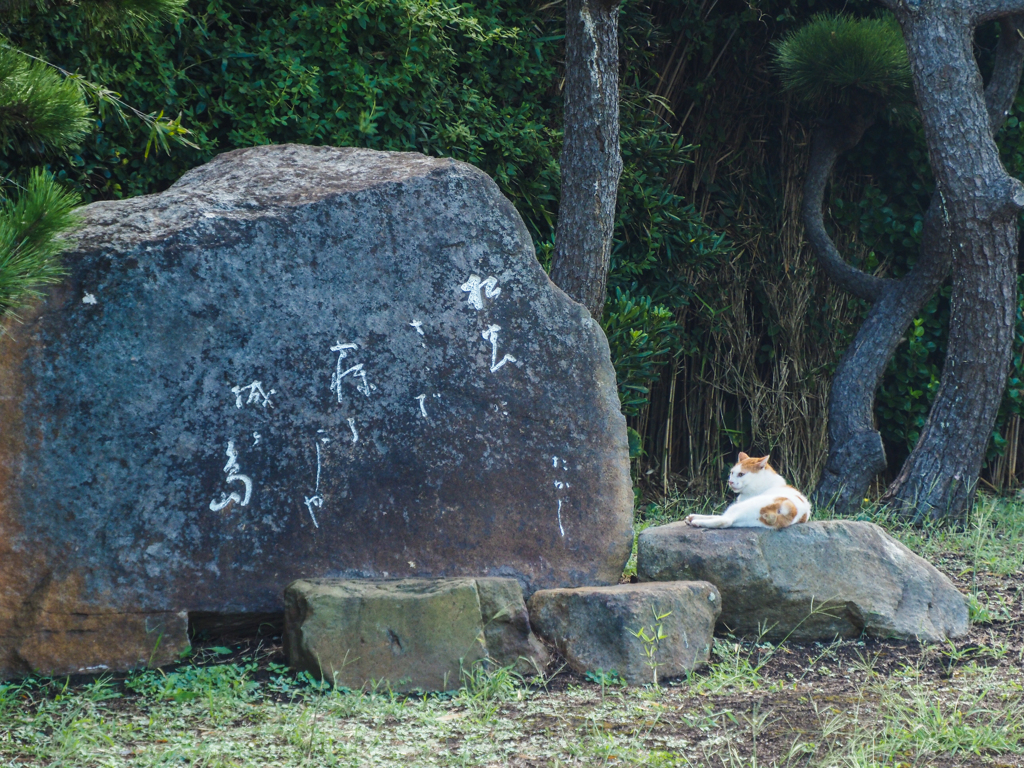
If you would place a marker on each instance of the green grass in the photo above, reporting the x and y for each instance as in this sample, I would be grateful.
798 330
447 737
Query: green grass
913 722
228 718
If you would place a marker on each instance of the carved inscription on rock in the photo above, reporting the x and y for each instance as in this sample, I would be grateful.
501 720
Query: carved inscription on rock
302 362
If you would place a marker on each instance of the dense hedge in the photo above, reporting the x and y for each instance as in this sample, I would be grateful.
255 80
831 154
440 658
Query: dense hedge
480 82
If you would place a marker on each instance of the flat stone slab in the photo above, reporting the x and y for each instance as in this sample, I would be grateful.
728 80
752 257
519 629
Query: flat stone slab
96 643
407 634
300 361
813 581
595 628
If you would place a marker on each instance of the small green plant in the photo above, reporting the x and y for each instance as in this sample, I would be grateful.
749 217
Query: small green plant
953 656
604 678
100 689
651 637
735 668
977 611
13 696
222 688
732 670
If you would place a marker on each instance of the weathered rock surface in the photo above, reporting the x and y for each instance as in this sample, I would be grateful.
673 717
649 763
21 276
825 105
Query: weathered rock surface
594 627
854 576
407 634
298 361
507 632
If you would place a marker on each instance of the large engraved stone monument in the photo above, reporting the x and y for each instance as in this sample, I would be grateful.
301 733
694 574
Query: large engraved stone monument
296 362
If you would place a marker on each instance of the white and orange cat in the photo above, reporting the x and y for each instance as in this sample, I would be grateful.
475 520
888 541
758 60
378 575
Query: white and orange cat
765 501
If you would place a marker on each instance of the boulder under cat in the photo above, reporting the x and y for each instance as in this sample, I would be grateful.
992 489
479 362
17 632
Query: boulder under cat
765 500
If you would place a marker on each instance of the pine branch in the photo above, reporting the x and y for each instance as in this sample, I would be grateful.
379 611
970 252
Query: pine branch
38 104
162 130
827 143
30 242
988 10
850 70
840 63
1005 81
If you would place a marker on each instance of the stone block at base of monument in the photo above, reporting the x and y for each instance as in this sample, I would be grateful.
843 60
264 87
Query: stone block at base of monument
814 581
407 634
68 644
596 628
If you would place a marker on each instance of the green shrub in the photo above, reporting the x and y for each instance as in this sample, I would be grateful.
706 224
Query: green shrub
641 338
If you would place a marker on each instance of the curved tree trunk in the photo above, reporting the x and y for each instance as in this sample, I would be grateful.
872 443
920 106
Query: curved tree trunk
981 203
856 453
590 160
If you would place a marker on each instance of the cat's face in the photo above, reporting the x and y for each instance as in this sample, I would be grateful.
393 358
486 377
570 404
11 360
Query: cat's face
748 473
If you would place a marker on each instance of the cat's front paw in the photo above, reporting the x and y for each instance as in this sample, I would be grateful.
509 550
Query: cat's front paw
690 520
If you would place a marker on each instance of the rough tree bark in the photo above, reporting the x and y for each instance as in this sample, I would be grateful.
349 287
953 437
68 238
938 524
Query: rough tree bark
856 453
590 160
980 203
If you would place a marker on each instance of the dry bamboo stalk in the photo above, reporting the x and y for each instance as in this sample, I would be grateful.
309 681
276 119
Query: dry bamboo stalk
1015 442
667 451
778 402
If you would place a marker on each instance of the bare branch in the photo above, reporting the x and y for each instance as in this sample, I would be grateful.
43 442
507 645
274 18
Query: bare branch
1002 87
827 144
994 9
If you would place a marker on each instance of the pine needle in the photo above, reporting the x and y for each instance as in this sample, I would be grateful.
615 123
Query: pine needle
840 61
37 104
30 242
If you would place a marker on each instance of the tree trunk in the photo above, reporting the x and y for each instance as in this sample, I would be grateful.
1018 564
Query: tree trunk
980 204
856 453
590 160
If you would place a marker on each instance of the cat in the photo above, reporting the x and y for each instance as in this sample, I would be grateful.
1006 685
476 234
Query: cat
765 501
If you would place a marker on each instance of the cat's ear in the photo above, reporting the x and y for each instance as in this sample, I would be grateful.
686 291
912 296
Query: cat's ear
743 456
762 463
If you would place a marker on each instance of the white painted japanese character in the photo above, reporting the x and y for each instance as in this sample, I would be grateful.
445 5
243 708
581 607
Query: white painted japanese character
336 376
473 287
316 500
233 472
256 395
491 335
356 370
